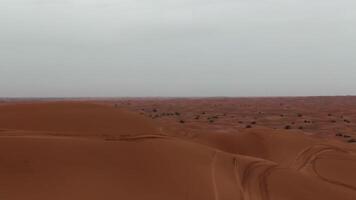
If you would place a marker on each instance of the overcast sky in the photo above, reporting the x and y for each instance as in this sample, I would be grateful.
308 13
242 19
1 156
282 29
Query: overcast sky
53 48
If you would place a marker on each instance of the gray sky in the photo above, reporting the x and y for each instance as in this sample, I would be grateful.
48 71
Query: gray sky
177 47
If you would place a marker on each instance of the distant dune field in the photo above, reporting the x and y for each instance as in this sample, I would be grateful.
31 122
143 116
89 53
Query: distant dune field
159 150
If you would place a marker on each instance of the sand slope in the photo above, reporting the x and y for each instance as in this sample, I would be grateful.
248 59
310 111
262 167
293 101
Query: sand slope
67 151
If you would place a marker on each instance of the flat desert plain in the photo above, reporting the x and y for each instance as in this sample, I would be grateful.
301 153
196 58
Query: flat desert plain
178 149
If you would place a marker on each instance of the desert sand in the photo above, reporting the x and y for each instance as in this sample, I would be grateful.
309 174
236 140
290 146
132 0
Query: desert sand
198 149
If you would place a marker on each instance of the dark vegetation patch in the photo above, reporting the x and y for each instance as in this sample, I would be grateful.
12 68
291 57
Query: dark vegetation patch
351 140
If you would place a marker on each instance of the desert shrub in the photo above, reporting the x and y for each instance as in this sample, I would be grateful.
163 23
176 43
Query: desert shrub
248 126
287 127
181 121
351 141
338 134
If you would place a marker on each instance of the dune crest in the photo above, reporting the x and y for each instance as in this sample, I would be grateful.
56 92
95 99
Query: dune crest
79 150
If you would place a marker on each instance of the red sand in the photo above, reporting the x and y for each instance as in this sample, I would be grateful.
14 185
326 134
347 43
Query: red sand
92 150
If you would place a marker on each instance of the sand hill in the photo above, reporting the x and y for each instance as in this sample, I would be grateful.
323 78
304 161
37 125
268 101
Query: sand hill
80 150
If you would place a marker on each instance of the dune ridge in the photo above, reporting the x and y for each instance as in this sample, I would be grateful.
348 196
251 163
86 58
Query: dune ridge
86 150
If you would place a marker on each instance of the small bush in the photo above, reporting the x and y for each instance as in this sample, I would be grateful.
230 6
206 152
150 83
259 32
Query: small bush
351 141
347 121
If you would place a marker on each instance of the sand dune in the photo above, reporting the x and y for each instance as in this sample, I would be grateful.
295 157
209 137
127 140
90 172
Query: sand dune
79 150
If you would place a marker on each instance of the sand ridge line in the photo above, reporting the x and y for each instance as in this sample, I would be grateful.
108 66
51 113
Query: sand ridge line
138 137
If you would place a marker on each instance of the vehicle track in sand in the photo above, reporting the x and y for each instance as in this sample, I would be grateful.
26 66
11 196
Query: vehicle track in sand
213 176
310 155
328 180
254 179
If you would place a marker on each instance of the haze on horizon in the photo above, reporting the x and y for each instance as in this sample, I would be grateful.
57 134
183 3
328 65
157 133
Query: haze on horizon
74 48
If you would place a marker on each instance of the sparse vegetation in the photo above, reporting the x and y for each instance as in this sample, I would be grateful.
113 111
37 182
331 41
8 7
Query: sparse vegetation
351 140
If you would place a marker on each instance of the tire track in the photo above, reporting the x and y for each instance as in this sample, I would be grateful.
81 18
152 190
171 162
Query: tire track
308 155
238 178
334 182
213 176
254 179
